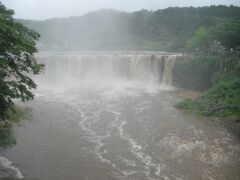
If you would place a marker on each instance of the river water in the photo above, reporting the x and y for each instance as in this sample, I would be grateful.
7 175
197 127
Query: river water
125 130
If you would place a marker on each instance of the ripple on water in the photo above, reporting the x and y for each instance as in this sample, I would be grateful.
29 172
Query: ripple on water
106 122
174 146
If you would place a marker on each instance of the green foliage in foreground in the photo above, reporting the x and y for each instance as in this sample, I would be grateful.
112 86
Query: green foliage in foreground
17 47
15 115
7 136
220 100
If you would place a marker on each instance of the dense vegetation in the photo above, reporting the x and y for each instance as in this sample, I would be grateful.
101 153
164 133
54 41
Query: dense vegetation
196 72
167 29
17 46
222 99
216 64
213 65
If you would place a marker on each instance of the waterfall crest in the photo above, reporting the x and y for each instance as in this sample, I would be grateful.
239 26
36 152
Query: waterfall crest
67 70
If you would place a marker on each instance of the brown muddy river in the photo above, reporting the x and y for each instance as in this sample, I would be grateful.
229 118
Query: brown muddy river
128 130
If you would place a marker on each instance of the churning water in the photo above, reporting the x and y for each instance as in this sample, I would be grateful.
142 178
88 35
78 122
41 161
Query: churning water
110 116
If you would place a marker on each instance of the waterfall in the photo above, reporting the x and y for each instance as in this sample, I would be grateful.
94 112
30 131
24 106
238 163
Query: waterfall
67 70
167 73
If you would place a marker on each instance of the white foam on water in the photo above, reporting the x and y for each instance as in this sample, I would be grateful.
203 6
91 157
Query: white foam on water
87 121
215 156
131 163
90 111
8 164
135 148
174 146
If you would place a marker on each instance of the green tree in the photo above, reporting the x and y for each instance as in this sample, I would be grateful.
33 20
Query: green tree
17 63
200 41
227 33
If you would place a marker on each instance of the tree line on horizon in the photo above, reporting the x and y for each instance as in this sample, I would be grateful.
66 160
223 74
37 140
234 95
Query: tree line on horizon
168 29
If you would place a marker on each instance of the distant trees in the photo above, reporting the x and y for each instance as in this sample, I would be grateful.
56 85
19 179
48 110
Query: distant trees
167 29
17 46
200 40
216 52
224 36
227 33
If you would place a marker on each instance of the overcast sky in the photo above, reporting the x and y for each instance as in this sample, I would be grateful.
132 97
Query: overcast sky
43 9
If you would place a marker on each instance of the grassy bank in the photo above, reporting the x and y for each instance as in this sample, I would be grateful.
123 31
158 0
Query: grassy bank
223 99
220 76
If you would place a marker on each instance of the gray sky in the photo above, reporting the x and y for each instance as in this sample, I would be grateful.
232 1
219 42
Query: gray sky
43 9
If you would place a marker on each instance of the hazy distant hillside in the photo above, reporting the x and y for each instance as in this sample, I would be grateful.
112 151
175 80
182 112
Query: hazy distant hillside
167 29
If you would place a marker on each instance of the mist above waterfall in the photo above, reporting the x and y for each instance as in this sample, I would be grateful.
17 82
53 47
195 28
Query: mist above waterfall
64 71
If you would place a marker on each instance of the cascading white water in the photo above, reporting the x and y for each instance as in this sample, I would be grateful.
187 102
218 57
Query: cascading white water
71 70
167 72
